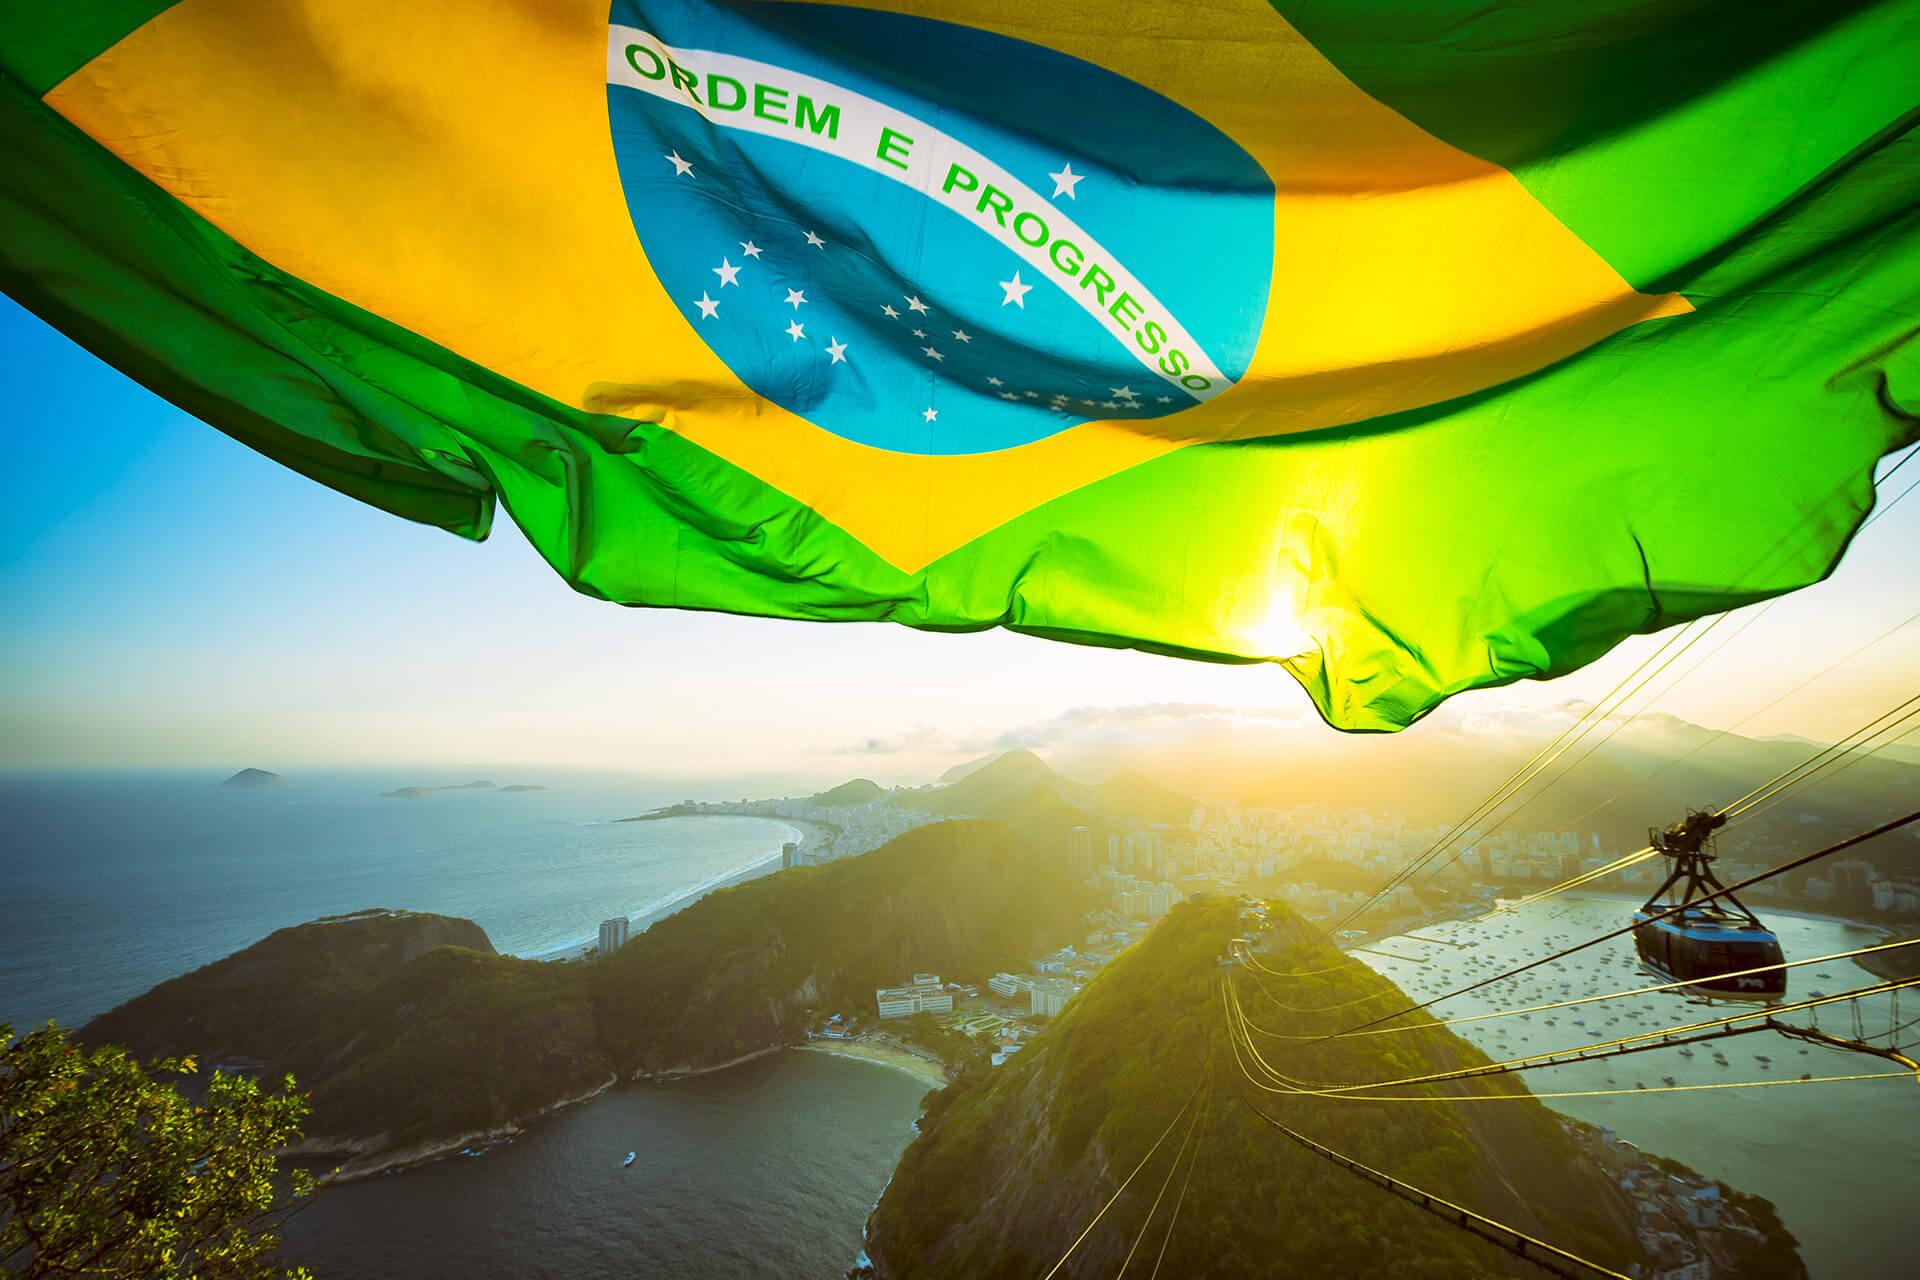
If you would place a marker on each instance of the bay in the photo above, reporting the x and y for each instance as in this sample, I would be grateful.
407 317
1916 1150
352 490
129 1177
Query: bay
1841 1161
764 1170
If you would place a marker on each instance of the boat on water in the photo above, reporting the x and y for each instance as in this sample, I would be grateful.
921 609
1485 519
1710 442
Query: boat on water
629 1159
1667 1081
1686 1053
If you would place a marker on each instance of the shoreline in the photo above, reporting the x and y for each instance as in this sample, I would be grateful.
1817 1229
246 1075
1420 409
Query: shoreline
648 916
929 1072
365 1159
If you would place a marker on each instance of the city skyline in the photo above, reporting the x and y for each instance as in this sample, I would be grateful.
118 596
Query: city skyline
178 601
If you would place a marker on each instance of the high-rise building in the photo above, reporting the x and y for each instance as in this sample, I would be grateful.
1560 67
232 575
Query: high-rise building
789 855
1080 853
614 934
1852 883
1113 850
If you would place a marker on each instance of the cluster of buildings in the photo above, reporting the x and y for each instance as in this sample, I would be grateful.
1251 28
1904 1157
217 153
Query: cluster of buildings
842 830
1226 848
1856 887
1681 1220
925 994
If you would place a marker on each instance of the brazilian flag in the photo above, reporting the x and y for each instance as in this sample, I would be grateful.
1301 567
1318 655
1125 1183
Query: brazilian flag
1416 346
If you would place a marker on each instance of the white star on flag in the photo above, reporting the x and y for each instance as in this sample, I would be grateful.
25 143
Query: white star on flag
919 333
838 350
914 304
1008 395
960 335
1121 393
1016 292
891 313
749 248
931 414
795 297
932 354
708 307
995 382
1065 181
726 271
796 331
816 241
680 167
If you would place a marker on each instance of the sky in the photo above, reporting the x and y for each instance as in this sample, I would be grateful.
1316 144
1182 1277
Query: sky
168 598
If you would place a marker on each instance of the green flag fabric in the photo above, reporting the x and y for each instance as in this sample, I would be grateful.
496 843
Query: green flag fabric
1418 347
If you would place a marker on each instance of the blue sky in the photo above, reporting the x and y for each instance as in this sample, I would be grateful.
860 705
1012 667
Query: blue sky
173 599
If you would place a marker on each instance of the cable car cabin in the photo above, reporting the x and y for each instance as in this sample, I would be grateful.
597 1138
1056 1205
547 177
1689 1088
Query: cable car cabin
1701 944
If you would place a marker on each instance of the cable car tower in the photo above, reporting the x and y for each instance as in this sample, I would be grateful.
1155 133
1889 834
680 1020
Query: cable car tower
1706 939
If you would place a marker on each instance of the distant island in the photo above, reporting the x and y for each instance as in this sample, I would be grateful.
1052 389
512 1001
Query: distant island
251 779
415 793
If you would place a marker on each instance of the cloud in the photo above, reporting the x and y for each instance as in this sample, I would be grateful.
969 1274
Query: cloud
920 739
1081 726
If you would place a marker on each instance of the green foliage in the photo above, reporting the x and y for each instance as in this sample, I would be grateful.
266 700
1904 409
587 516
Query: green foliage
408 1026
1779 1257
962 899
452 1042
1011 1164
106 1171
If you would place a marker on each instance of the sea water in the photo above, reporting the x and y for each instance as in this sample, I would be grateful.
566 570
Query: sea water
763 1171
1840 1161
112 882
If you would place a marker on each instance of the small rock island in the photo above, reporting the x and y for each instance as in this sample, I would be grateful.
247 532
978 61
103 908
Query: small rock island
248 779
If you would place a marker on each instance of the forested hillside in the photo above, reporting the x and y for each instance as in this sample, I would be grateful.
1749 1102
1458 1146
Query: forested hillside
1011 1166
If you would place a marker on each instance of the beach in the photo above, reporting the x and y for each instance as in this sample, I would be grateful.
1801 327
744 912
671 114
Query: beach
886 1054
659 910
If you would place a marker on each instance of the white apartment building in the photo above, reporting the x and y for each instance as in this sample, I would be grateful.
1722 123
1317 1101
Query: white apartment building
925 994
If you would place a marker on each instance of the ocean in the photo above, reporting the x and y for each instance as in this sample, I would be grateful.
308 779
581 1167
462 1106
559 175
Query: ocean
1840 1161
110 883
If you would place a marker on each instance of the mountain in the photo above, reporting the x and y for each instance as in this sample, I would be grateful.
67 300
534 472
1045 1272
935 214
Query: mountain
1132 794
1009 778
414 1038
1012 1166
238 1008
738 971
858 791
962 770
250 778
404 1027
1612 780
